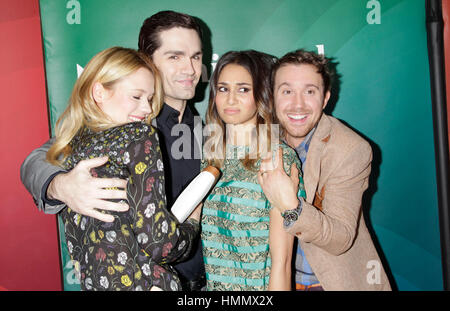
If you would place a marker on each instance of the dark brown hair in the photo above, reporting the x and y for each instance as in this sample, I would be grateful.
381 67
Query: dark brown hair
149 40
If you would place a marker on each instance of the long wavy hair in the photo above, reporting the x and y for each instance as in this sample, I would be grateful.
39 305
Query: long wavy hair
107 67
259 67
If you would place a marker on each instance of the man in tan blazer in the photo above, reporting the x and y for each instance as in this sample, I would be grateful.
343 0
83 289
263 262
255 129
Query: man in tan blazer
335 248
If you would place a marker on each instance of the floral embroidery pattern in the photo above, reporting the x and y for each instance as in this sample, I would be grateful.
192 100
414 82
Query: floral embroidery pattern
133 252
235 225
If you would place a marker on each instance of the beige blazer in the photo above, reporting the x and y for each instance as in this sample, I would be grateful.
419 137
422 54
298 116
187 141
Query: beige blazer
331 229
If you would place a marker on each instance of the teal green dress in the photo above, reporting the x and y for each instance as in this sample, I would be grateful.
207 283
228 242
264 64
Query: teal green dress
235 226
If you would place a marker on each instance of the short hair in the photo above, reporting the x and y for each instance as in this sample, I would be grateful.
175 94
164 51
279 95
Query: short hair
149 40
300 57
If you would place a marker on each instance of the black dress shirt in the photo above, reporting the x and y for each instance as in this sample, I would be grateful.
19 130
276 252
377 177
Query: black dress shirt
179 172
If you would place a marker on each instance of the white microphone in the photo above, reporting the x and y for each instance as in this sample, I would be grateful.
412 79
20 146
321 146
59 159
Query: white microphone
194 193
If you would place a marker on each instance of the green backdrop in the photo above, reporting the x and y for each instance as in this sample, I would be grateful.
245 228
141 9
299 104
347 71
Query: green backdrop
383 92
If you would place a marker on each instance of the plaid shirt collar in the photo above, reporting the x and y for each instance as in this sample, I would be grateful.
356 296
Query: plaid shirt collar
303 148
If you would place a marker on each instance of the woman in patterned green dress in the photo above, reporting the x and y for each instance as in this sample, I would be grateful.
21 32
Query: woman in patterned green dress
244 244
109 114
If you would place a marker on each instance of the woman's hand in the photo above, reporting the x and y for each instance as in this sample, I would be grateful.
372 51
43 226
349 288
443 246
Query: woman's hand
197 212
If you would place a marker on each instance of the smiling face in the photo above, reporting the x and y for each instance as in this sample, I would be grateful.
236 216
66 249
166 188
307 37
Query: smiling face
234 98
299 100
129 99
179 60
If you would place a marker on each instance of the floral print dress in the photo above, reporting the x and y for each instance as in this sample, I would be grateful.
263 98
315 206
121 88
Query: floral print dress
133 252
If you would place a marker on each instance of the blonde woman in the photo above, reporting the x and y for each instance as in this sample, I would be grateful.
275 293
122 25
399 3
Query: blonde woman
109 115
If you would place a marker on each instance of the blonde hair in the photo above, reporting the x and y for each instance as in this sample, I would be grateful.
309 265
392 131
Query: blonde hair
107 67
258 65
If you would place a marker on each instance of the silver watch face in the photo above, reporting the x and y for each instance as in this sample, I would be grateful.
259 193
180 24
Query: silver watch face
290 217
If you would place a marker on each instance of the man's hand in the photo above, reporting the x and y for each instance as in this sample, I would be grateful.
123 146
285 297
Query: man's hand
84 193
280 189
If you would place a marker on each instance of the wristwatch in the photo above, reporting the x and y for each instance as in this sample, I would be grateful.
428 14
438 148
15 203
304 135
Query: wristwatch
291 216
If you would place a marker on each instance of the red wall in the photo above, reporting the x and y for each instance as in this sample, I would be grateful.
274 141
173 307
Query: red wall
29 258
